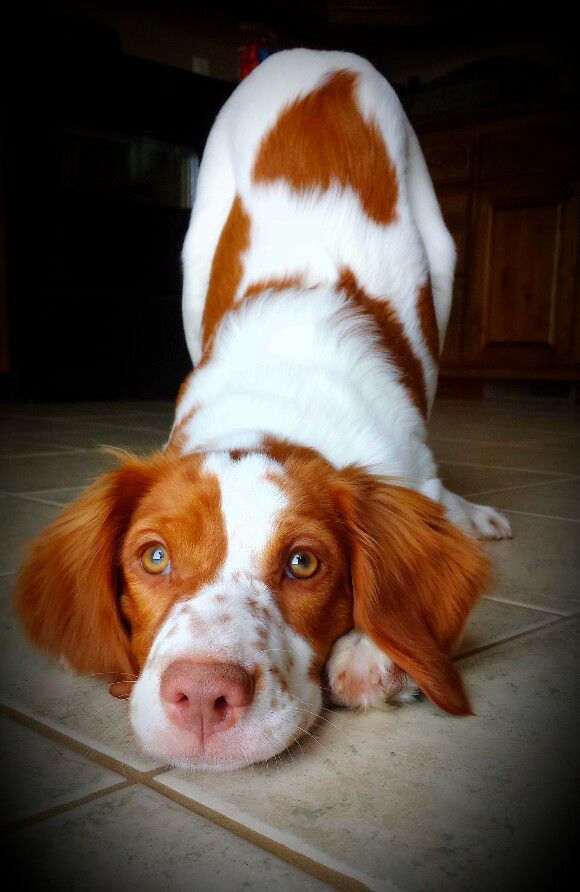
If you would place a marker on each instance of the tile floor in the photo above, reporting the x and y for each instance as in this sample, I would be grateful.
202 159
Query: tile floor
407 799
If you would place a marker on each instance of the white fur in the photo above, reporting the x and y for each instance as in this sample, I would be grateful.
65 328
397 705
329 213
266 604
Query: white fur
299 365
193 630
361 675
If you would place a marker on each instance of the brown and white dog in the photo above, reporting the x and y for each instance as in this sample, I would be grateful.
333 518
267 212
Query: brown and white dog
293 536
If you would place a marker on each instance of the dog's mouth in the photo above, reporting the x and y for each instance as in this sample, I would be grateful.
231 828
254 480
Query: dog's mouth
273 722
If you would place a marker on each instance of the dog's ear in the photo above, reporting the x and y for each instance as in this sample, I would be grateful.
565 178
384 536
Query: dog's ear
415 578
67 588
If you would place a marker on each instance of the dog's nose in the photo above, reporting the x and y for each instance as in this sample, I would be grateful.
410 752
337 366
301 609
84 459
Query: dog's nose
206 698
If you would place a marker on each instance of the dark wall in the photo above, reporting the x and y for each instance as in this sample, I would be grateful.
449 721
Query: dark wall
93 265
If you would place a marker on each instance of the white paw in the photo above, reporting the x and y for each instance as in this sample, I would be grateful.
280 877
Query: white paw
361 675
488 523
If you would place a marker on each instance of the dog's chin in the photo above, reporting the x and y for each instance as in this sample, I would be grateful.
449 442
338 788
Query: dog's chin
229 753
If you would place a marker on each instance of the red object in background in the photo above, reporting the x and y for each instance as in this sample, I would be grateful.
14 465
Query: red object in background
249 57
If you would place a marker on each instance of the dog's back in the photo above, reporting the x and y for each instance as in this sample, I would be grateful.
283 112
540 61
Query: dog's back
313 183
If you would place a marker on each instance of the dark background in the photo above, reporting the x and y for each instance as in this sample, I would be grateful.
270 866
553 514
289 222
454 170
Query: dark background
90 251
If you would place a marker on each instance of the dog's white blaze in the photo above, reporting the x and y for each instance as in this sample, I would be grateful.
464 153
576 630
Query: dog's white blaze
250 505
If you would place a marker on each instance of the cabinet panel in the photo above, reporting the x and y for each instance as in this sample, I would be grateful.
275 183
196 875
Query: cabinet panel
520 303
550 146
522 274
448 160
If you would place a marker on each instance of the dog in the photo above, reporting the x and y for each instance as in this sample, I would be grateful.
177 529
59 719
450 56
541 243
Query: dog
292 542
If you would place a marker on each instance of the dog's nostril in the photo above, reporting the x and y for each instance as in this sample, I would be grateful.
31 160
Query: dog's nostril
221 708
182 698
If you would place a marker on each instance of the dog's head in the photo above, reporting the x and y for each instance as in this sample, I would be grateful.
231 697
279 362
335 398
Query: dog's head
221 581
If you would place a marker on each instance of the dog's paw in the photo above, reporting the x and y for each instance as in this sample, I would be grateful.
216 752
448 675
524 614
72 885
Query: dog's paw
360 675
487 523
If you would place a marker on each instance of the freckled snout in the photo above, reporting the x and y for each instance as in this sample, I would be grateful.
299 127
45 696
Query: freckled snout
206 698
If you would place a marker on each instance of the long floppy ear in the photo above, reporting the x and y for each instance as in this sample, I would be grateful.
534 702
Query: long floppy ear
415 578
66 591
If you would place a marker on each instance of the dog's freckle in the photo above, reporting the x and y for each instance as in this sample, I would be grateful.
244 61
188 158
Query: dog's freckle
219 599
281 678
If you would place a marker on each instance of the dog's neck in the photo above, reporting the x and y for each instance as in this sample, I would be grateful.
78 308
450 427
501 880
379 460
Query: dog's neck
304 367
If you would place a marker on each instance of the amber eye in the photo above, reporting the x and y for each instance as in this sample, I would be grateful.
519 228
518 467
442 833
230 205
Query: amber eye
155 558
302 565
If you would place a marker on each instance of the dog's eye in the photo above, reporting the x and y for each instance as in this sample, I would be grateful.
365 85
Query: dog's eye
302 565
155 558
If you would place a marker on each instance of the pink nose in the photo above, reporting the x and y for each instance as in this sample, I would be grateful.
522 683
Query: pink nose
206 698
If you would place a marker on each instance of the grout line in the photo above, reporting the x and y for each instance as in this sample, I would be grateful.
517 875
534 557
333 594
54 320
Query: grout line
522 633
63 807
543 516
485 492
470 464
512 603
493 642
86 750
294 851
477 441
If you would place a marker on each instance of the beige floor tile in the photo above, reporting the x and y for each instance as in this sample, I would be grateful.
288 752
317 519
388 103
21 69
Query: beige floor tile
468 479
557 499
76 469
491 621
80 707
540 565
423 800
481 431
521 415
115 407
135 839
561 459
37 774
20 521
91 435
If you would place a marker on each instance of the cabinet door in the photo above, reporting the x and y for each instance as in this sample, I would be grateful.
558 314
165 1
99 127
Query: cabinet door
520 305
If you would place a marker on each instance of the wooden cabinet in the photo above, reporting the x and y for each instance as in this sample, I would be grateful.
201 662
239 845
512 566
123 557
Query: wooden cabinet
520 303
509 193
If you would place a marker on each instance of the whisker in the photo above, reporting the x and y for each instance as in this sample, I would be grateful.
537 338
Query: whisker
304 731
319 715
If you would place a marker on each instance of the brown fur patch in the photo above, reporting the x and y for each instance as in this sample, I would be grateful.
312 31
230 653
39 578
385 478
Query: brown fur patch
82 586
274 283
184 510
393 337
282 680
428 320
321 139
226 270
415 576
